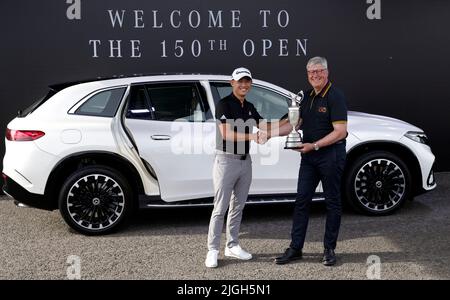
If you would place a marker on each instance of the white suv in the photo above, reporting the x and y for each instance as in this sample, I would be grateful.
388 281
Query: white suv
96 150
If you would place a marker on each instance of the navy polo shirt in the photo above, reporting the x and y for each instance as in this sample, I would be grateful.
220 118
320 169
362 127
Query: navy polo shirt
241 118
320 111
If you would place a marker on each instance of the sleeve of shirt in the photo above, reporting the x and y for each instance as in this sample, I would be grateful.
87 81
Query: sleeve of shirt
255 114
222 112
302 107
304 102
338 109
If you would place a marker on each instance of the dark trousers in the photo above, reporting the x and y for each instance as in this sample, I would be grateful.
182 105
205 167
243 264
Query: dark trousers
326 165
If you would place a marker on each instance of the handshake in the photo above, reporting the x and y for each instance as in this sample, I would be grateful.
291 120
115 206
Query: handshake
262 137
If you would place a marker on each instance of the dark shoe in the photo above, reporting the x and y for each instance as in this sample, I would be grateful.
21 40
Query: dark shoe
329 257
289 255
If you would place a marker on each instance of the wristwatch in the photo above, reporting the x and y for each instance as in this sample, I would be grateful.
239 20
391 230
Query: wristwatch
316 147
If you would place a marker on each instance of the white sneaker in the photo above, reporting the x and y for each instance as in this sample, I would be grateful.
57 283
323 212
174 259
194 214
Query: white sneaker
211 258
237 252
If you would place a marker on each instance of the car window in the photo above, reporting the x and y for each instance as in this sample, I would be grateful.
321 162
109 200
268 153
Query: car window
139 105
102 104
268 103
178 102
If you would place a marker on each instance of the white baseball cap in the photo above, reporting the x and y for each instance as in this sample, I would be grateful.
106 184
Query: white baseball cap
240 73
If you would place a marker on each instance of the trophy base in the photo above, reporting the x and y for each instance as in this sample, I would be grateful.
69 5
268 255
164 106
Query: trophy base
293 146
293 141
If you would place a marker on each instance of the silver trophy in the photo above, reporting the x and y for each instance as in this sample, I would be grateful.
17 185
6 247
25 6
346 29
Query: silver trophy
294 139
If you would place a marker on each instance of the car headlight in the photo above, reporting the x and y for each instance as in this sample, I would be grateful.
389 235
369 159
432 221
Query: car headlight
417 136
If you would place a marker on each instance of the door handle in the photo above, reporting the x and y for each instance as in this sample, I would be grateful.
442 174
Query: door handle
158 137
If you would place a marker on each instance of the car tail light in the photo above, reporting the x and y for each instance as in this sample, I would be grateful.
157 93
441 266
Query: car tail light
23 135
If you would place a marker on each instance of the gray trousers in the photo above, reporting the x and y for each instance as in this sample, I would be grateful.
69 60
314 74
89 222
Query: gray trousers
232 178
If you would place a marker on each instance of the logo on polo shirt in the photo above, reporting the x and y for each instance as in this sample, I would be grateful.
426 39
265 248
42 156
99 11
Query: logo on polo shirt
223 117
322 109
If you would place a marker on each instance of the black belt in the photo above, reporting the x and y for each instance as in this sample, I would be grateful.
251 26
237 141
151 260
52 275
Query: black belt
234 156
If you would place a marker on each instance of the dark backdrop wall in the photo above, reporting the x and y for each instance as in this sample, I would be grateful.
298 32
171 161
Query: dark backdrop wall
389 57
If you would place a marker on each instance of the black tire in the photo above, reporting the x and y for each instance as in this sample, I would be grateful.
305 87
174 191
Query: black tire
377 183
96 200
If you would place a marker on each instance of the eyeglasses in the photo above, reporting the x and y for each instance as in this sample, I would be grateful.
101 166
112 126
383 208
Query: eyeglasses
315 72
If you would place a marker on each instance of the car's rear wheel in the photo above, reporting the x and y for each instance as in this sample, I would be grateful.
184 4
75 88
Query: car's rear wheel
96 200
377 183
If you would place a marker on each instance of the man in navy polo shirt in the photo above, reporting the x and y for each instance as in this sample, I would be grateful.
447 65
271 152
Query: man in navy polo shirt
324 124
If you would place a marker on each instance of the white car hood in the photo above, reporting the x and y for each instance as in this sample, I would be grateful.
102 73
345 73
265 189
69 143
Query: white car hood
375 127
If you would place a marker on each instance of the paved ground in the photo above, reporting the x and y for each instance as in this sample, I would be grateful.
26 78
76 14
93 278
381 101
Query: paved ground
170 244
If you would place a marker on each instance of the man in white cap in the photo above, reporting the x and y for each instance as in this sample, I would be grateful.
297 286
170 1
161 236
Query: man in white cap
232 171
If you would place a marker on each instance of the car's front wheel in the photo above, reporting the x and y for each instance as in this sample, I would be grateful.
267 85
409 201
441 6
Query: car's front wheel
377 183
95 200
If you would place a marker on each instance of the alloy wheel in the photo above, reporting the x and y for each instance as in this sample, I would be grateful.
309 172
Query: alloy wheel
380 184
95 202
